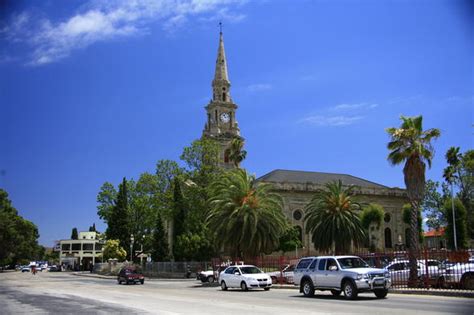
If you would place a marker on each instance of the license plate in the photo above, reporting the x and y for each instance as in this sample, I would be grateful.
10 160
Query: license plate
379 282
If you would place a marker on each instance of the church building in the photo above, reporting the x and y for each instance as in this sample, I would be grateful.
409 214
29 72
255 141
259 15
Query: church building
298 187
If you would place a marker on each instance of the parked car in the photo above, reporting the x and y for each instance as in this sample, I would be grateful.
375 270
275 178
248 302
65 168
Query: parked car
54 268
286 275
245 277
428 270
460 275
207 276
348 274
130 275
25 269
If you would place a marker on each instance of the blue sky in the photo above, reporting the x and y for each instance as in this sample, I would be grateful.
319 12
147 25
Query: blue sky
93 91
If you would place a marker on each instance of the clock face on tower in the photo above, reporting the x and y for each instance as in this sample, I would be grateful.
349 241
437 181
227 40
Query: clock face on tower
225 117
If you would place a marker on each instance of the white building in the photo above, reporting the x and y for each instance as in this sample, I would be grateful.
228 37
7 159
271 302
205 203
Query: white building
81 253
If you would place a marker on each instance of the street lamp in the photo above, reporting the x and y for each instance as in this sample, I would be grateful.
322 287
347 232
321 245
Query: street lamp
132 239
141 251
454 217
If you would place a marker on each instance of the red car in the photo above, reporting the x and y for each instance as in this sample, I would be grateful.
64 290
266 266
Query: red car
129 275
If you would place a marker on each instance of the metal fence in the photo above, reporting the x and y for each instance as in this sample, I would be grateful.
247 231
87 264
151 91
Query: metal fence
436 270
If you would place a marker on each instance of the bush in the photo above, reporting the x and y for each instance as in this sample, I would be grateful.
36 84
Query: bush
373 213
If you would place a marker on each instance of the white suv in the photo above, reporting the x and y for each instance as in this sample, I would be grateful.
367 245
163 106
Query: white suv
348 274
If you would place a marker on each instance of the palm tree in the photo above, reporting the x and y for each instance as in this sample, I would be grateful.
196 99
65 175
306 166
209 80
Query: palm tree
245 216
412 145
332 219
235 152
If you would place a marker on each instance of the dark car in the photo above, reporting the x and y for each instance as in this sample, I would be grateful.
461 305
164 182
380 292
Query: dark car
130 275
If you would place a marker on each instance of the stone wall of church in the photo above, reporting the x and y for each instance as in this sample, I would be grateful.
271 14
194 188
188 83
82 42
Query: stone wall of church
386 237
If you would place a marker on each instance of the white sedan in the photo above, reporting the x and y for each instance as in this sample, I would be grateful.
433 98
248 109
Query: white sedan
244 277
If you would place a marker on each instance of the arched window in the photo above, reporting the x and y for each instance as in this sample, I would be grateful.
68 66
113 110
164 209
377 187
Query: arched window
224 97
388 238
226 156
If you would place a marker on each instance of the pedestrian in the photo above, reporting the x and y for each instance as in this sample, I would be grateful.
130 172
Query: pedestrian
33 269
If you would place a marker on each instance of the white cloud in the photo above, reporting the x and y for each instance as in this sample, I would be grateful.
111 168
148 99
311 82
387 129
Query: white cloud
339 115
334 121
259 87
100 21
354 106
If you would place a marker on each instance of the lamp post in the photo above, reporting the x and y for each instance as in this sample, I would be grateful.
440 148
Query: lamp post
141 251
454 217
131 248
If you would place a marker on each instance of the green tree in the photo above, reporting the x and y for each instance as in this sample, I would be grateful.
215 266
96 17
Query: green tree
160 249
460 174
332 220
74 234
92 228
235 152
113 250
406 218
290 240
118 226
246 216
18 237
202 156
412 145
461 227
371 216
106 201
433 205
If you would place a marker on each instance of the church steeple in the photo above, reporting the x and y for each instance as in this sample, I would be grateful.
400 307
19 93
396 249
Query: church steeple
221 122
221 63
221 83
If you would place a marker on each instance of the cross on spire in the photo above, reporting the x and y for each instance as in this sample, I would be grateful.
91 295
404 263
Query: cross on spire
220 26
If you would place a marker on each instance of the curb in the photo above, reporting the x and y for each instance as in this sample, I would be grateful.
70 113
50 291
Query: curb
449 293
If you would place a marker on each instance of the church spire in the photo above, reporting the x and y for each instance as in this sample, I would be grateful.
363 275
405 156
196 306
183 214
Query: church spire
221 62
221 83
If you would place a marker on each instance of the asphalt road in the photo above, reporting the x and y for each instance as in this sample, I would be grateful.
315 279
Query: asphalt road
64 293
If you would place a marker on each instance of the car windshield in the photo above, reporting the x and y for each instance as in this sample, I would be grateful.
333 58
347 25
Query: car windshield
130 271
352 262
248 270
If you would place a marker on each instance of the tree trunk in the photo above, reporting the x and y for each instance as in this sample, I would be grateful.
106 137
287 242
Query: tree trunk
414 173
414 249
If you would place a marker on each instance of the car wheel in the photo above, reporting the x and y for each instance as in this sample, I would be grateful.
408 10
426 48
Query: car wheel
243 286
308 288
210 279
350 290
336 292
223 286
467 282
119 281
142 281
381 293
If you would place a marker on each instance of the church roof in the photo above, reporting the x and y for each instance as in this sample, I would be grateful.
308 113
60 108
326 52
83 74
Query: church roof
288 176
